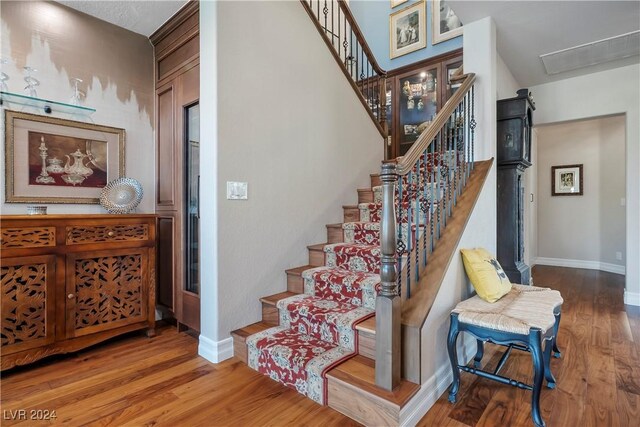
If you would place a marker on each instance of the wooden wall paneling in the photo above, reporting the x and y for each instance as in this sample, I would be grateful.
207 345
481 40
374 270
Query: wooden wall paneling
166 261
179 57
176 48
166 128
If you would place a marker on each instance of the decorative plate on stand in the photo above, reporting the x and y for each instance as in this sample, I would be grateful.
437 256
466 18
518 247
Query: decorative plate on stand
121 195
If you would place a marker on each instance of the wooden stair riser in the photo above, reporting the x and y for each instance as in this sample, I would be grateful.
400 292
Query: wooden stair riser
351 213
365 195
316 255
367 344
335 234
295 283
270 314
375 180
352 391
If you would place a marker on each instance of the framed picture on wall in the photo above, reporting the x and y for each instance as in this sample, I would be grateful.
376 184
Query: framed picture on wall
566 180
445 24
407 30
395 3
52 160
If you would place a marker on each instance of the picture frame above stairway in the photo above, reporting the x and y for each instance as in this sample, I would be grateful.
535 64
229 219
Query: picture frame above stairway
408 30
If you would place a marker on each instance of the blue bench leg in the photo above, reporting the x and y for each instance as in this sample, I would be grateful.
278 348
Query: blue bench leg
453 357
535 344
479 354
548 375
556 327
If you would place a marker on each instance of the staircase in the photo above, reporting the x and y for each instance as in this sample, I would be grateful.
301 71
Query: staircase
347 331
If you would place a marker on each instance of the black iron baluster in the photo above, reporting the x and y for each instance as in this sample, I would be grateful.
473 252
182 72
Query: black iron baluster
325 10
401 245
333 34
433 188
472 125
339 35
409 227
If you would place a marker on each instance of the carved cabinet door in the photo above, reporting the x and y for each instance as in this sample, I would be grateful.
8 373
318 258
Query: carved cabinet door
28 302
106 289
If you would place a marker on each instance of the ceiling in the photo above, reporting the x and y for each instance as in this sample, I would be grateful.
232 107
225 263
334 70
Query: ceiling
142 17
527 29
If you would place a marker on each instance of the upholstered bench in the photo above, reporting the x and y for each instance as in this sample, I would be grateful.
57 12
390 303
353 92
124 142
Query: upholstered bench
527 318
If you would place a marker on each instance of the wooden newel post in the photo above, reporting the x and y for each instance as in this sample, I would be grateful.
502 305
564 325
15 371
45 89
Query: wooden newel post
388 303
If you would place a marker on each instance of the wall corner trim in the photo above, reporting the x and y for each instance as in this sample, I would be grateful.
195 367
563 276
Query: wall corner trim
632 298
435 386
577 263
215 351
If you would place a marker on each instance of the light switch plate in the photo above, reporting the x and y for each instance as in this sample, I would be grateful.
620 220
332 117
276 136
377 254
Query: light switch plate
623 202
619 256
237 190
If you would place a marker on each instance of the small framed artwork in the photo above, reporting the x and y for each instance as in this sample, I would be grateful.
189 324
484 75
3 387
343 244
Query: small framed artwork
52 160
407 30
395 3
566 180
445 24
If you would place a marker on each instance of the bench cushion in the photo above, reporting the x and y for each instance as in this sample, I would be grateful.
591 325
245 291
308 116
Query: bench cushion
523 308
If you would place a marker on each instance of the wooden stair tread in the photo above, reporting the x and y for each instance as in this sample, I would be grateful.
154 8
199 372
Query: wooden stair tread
273 299
297 271
317 247
359 372
349 206
368 325
254 328
337 225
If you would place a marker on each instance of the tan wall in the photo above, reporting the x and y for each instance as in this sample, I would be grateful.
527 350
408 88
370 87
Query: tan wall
290 125
589 227
116 66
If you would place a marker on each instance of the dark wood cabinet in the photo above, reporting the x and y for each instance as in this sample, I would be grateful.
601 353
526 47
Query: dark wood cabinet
70 281
515 118
177 54
415 94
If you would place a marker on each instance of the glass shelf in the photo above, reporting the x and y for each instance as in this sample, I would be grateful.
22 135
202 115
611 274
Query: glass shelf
43 105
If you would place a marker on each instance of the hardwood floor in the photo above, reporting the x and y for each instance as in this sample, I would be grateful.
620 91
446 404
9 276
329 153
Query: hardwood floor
598 376
161 381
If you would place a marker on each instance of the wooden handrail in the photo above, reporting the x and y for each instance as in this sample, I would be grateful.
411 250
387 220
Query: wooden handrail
363 42
406 162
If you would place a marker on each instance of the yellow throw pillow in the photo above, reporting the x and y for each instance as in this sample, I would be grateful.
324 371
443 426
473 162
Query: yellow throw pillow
485 273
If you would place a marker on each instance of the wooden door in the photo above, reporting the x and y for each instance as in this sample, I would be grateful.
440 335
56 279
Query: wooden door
106 290
28 302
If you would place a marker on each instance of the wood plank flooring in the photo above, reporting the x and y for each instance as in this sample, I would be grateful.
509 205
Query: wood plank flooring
137 381
134 381
598 376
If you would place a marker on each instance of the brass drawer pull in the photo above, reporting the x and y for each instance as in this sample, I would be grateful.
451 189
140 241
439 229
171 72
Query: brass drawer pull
110 234
71 296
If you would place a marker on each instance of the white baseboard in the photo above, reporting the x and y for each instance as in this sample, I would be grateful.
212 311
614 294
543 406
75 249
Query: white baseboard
432 389
215 351
632 298
577 263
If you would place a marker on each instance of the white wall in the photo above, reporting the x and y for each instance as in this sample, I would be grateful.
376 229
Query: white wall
116 66
588 228
506 83
480 57
289 124
602 94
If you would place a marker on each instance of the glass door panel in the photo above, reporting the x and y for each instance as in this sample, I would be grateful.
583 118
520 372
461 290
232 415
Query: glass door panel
192 183
418 105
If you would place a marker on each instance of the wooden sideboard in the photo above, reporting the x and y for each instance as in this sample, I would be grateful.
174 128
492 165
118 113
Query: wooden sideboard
70 281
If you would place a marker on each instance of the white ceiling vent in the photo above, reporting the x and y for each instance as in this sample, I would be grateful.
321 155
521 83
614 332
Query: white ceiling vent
597 52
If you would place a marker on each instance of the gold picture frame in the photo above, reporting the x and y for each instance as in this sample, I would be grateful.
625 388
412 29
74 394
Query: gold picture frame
395 3
442 16
408 30
53 160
